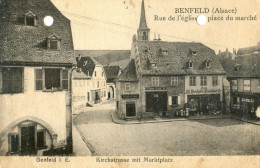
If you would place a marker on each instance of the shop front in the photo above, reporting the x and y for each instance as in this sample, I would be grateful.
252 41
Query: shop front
204 104
156 102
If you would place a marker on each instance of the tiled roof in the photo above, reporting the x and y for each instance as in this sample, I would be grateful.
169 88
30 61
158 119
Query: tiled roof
249 66
175 59
106 57
20 43
87 65
111 72
249 50
129 73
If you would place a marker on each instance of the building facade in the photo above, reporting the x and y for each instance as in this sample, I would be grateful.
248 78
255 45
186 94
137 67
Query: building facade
112 72
169 77
95 89
244 79
35 69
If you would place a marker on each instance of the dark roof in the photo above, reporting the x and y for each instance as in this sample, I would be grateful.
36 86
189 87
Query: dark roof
249 50
175 62
128 74
106 57
80 75
87 65
143 24
20 43
111 73
249 66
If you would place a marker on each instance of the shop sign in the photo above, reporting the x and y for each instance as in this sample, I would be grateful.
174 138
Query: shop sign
131 96
247 100
156 88
202 91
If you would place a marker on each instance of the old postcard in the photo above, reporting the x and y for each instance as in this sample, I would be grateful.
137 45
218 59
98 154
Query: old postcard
129 83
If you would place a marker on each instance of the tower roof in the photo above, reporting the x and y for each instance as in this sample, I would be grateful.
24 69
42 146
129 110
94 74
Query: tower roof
143 24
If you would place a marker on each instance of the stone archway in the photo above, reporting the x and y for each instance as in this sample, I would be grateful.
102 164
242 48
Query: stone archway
111 92
11 126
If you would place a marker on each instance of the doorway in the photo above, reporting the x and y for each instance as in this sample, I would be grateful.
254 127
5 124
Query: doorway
28 140
156 101
130 109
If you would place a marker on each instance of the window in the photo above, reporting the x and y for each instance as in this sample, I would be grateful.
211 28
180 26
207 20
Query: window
235 101
174 100
105 93
144 36
54 79
98 84
194 52
203 81
41 139
53 42
174 81
153 64
95 73
102 74
190 65
11 80
247 85
155 81
207 63
14 143
164 52
234 84
127 87
29 19
88 96
214 80
192 80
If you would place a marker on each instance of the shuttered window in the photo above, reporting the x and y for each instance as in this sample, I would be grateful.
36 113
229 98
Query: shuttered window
12 80
65 80
174 100
38 79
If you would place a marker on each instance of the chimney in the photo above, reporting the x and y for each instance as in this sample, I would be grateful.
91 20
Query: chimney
226 49
219 51
258 43
234 51
154 39
159 39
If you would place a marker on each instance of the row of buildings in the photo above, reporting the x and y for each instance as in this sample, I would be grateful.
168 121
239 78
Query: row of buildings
163 78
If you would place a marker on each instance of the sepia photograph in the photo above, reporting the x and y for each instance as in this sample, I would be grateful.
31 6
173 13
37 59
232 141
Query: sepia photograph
112 79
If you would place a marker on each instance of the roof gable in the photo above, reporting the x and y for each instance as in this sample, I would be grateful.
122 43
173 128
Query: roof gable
129 73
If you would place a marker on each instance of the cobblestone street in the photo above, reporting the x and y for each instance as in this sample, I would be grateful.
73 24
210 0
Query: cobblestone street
190 137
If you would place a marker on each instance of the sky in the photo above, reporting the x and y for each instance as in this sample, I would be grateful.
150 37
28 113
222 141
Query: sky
111 24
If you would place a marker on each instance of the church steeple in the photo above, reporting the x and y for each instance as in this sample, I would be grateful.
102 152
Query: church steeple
143 32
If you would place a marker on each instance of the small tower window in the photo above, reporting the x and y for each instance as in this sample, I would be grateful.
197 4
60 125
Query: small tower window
53 42
237 67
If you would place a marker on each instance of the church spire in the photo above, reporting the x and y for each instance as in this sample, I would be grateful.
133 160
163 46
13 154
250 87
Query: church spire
143 31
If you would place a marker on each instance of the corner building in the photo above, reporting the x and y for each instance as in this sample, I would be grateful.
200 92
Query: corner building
35 68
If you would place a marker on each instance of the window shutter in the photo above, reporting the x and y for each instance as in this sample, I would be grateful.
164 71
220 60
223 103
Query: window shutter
179 100
38 79
170 100
65 80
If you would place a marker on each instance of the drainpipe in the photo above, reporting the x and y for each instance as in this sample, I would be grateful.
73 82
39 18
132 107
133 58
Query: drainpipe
70 139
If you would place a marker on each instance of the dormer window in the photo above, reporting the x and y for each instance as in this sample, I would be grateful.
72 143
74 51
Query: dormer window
53 42
190 63
207 63
165 52
194 52
153 64
29 19
237 67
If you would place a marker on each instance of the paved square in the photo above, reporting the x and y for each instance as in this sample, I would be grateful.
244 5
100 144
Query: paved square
196 137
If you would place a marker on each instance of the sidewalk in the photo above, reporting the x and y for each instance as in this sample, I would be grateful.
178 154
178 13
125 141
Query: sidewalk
116 119
80 147
252 121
